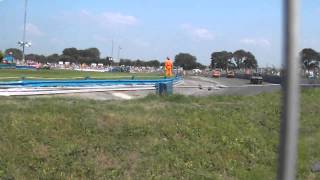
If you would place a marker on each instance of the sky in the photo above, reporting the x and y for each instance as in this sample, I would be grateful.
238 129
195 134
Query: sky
155 29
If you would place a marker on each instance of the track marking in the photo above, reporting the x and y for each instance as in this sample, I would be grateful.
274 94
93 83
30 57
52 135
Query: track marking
122 95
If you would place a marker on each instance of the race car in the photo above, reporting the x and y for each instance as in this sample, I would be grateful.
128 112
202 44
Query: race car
256 78
216 73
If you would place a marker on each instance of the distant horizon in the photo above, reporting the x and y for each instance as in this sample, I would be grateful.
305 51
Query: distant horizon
158 29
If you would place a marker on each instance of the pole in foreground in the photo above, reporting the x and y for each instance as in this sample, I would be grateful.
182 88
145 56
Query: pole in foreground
291 93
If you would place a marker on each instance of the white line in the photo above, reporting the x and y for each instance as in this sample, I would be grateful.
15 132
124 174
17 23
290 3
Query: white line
51 92
122 95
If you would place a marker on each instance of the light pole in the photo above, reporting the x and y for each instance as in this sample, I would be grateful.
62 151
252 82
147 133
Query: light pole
119 49
23 43
112 43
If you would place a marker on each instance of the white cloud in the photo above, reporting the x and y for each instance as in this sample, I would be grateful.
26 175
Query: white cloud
256 41
33 30
198 32
107 19
118 18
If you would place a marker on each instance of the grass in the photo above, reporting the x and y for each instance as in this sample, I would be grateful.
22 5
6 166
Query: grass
177 137
12 74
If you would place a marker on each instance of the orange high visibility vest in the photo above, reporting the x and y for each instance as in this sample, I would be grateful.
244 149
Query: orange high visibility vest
168 64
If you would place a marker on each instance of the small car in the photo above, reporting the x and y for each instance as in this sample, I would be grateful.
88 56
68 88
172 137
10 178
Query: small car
256 78
231 74
216 73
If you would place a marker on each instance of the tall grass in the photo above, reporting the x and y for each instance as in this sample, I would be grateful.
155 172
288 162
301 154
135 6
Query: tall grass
177 137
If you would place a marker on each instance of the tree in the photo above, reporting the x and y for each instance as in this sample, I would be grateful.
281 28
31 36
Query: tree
93 53
54 58
17 53
66 58
250 61
153 63
1 56
109 61
37 58
222 59
200 66
309 57
186 61
125 62
71 52
138 63
239 57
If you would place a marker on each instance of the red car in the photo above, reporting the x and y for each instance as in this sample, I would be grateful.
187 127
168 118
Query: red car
216 73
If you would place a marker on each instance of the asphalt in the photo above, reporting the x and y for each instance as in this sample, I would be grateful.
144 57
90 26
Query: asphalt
223 86
191 86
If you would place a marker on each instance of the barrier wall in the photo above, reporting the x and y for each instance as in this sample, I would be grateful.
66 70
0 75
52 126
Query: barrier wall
277 79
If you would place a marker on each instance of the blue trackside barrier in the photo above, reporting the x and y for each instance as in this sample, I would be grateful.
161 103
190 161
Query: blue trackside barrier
25 67
84 83
7 66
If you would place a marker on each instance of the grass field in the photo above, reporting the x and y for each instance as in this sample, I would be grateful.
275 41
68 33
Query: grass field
177 137
7 74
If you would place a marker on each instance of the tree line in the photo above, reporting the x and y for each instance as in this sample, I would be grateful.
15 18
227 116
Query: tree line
74 55
239 59
139 63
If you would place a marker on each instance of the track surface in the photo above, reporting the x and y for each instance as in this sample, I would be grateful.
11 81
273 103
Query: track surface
219 86
229 87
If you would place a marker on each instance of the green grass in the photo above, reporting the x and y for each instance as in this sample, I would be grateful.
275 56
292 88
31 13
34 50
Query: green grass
177 137
9 74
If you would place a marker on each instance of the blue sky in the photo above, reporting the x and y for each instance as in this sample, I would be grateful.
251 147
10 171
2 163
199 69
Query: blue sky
154 29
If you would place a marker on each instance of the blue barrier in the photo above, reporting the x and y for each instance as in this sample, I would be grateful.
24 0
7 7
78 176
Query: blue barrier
25 67
86 83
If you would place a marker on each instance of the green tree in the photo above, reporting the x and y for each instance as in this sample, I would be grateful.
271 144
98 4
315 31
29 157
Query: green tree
125 62
17 53
250 61
70 51
66 58
153 63
239 57
186 61
222 59
309 57
54 58
93 53
37 58
1 56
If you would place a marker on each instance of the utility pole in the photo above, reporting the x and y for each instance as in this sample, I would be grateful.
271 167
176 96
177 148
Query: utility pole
24 30
119 49
112 43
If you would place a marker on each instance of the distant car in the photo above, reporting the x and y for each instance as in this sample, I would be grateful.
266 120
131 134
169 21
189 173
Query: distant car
256 78
196 71
46 67
216 73
231 74
116 69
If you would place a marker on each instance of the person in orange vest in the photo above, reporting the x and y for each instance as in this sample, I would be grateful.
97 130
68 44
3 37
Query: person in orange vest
168 65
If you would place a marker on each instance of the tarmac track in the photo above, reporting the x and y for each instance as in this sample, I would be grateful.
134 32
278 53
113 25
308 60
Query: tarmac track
224 86
190 86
